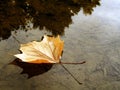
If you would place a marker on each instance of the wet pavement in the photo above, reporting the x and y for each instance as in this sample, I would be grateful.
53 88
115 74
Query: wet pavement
91 33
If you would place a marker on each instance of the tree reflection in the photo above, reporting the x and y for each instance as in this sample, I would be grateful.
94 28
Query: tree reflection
54 15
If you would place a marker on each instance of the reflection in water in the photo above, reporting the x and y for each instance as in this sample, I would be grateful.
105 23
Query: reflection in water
54 15
32 69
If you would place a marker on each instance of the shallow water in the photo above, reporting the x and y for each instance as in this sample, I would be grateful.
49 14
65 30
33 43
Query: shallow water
92 38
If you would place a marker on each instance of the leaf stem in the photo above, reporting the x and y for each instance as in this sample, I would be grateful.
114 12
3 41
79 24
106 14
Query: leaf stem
72 62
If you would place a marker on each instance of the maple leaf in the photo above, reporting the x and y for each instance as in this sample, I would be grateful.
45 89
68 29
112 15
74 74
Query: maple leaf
49 50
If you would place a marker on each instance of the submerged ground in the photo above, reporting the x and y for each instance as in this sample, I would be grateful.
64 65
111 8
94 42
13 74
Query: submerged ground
92 38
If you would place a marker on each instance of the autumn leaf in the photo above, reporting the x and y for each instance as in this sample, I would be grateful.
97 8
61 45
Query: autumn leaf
49 50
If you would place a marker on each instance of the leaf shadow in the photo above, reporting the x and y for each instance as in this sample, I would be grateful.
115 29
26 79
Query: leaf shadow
32 69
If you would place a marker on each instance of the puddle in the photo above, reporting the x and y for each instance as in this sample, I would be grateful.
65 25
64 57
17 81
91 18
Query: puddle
90 30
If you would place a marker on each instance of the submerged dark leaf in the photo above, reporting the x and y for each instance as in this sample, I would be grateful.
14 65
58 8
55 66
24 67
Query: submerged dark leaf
32 69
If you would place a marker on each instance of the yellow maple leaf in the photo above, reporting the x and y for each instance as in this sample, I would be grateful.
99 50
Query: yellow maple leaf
49 50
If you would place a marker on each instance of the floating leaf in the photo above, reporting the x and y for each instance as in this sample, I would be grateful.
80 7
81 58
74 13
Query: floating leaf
49 50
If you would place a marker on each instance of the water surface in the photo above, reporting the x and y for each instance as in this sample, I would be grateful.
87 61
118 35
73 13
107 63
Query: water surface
90 30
